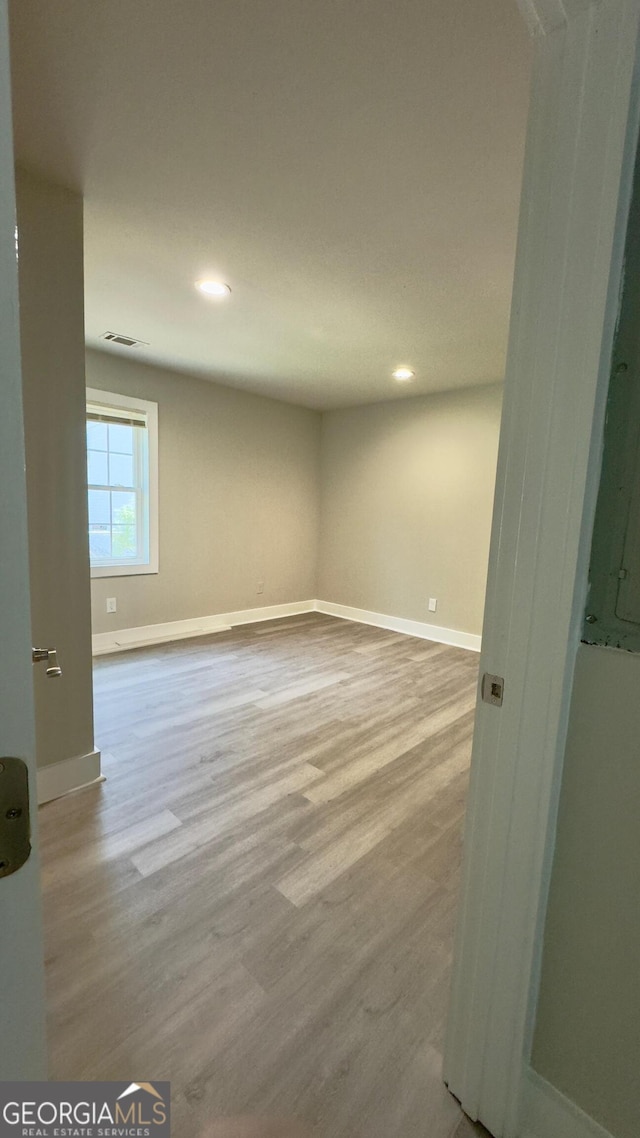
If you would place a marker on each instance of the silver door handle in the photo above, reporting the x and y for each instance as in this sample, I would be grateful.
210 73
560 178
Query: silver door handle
50 654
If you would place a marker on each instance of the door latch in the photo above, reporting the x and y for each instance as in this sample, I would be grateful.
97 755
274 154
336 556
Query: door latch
49 654
493 689
15 825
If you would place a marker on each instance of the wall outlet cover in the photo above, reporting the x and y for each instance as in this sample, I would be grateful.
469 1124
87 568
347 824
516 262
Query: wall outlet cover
260 587
112 604
433 604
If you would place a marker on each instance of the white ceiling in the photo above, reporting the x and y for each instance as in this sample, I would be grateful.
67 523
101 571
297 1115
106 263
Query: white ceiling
350 167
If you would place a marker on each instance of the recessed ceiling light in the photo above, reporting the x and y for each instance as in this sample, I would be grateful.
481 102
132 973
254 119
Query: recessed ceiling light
402 374
213 288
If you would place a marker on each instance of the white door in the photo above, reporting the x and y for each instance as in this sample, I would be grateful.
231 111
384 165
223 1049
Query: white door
22 1038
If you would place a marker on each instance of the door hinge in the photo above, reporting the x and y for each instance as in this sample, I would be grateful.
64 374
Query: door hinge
15 825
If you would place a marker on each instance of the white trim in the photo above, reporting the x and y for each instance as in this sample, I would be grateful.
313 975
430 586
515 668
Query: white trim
150 411
68 775
546 1113
23 1052
583 128
400 624
268 612
124 638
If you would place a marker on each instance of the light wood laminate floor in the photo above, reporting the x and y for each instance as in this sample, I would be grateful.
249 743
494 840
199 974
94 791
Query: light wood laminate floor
259 903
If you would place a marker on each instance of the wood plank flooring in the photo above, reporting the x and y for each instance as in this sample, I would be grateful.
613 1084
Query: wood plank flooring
258 904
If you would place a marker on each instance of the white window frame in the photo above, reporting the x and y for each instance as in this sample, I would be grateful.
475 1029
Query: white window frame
149 562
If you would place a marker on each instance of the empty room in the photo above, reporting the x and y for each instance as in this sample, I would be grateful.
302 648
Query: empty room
265 267
264 259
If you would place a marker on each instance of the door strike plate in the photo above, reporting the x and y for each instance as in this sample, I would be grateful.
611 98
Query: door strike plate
492 689
15 826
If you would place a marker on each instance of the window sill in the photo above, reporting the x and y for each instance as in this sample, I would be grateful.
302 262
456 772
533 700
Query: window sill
122 570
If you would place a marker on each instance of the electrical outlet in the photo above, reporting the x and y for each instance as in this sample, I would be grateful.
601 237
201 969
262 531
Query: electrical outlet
433 604
260 587
111 604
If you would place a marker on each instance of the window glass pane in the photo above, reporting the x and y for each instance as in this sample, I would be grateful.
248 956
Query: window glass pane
99 507
99 543
97 436
120 469
123 543
123 508
121 439
119 500
97 472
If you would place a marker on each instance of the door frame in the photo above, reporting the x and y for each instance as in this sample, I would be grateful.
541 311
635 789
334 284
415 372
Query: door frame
582 134
583 127
22 1041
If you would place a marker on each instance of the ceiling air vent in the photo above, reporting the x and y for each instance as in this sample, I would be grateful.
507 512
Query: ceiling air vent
126 341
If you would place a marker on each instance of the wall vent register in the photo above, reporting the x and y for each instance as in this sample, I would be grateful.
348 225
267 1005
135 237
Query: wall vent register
124 341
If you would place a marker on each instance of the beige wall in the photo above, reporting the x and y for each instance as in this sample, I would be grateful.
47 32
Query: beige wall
406 489
238 499
587 1038
407 494
52 343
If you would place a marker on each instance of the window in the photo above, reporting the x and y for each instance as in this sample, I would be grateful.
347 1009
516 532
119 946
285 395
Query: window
122 476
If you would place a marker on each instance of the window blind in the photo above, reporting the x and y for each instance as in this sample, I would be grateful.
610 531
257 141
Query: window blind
126 419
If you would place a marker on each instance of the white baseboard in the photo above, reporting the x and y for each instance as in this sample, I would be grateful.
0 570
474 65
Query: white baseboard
69 774
269 612
122 639
399 624
547 1113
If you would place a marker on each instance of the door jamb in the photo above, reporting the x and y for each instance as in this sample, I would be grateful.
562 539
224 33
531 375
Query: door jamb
581 141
